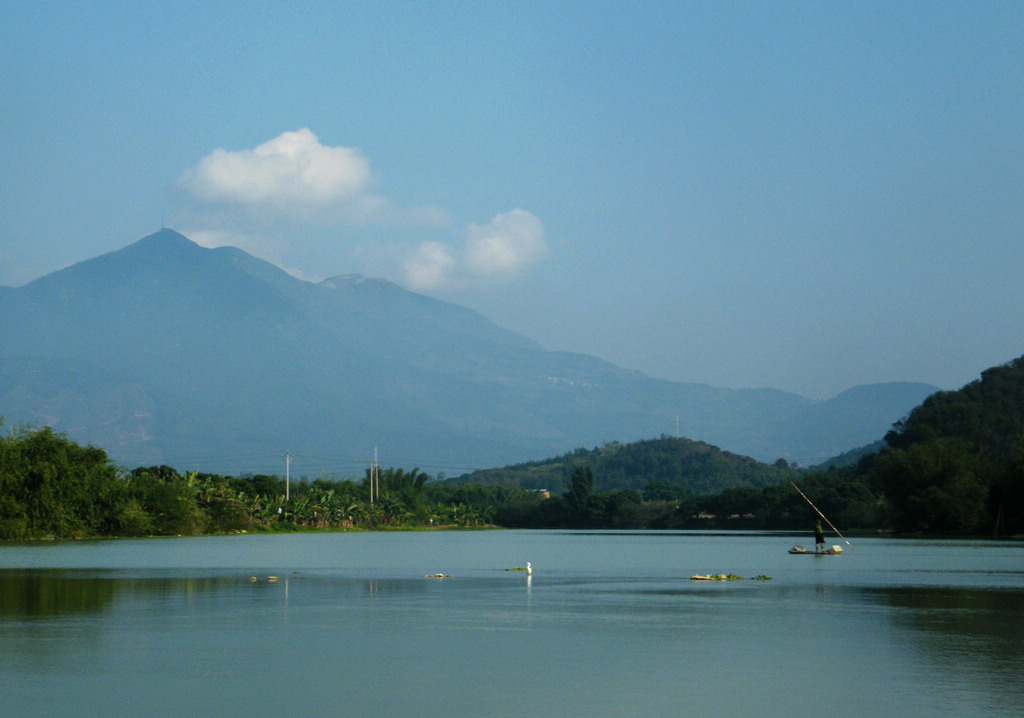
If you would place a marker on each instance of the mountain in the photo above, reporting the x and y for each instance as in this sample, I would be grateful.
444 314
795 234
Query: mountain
168 352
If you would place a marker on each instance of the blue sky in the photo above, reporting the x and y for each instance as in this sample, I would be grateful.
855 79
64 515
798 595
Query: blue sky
807 196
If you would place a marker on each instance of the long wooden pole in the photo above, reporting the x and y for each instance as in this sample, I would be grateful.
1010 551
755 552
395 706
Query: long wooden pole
821 514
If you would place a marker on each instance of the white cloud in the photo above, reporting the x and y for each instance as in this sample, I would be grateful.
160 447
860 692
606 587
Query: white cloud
508 243
287 199
430 266
291 168
503 247
295 178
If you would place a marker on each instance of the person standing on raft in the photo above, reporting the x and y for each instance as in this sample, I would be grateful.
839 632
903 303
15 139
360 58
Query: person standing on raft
819 537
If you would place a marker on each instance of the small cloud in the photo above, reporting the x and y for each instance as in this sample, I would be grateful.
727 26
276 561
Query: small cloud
291 168
295 178
503 247
508 243
430 266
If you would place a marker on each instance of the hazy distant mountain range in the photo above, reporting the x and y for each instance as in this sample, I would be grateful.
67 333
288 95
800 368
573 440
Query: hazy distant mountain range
167 352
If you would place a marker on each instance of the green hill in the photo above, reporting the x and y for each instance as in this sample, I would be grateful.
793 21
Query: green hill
987 413
664 467
956 463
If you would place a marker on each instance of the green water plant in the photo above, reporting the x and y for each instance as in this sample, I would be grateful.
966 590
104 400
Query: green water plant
725 577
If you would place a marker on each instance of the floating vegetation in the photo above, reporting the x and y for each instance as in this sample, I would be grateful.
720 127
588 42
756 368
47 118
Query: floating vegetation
710 577
516 568
726 577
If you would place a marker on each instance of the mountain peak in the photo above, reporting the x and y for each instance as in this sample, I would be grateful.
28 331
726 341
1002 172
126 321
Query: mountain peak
164 239
166 235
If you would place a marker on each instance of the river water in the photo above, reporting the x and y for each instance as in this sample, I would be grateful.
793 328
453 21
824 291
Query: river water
608 624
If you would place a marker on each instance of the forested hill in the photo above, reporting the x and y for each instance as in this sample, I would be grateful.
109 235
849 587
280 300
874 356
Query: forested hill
987 413
956 463
666 465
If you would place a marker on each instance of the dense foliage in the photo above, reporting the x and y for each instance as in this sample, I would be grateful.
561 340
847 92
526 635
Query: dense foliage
847 503
51 487
956 463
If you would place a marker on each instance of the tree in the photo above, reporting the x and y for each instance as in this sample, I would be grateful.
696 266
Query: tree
936 485
581 487
54 487
391 508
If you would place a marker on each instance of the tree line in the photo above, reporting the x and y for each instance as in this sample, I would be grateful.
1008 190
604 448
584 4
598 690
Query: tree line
662 506
52 487
954 465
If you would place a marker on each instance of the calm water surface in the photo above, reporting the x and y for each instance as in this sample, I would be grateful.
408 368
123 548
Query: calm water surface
609 624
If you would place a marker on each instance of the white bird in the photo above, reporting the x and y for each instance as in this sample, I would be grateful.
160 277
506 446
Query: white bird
529 569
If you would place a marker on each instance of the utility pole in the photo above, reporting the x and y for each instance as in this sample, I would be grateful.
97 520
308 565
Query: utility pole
374 478
287 475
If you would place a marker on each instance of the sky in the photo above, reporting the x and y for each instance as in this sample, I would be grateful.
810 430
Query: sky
807 196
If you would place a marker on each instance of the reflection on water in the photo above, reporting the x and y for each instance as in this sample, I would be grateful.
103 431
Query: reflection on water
965 634
52 593
26 594
608 625
971 617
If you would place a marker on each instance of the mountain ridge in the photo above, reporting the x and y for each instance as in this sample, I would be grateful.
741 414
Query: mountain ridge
168 352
